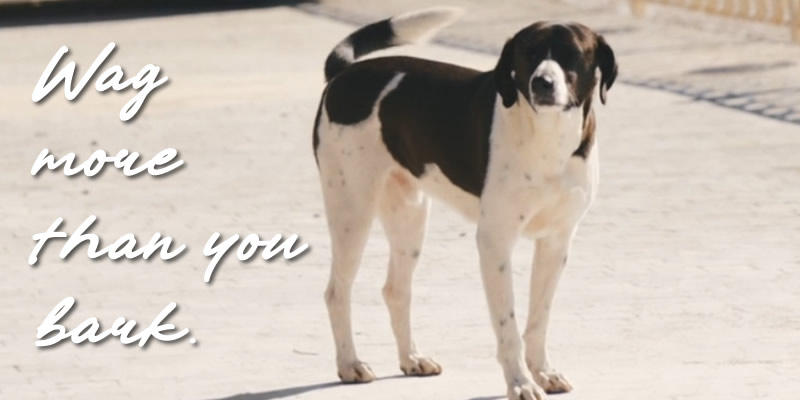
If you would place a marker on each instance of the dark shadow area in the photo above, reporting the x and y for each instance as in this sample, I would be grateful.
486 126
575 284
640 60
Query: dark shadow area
741 68
23 13
280 393
296 390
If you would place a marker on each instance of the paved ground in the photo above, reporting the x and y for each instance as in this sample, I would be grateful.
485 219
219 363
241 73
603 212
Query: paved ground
683 283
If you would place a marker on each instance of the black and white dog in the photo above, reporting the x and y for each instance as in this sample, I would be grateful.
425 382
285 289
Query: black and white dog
513 149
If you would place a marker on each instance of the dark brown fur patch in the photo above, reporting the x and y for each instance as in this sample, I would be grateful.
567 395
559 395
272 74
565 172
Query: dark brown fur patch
441 114
589 124
353 93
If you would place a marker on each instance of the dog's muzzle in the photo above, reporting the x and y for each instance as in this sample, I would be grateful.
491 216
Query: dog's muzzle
542 89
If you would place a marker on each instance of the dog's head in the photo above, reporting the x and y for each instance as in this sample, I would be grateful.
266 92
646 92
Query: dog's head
553 66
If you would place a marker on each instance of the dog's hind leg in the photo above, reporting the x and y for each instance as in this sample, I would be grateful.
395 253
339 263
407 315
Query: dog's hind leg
404 212
350 192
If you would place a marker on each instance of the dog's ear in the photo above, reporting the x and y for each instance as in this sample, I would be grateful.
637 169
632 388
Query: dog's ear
504 75
604 58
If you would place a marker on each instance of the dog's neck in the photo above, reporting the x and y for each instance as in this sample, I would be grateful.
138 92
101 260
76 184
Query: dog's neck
548 137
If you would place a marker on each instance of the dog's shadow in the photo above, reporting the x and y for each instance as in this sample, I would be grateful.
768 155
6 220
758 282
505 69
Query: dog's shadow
296 390
281 393
293 391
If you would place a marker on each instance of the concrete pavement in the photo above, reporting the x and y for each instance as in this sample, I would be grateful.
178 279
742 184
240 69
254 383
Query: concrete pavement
683 282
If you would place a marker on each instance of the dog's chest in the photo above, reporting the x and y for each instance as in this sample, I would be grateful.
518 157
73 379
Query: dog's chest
532 175
533 172
538 144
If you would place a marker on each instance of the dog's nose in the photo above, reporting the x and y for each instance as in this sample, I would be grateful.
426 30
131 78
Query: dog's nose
542 85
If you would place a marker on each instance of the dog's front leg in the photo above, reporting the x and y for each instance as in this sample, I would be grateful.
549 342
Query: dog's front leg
548 263
498 229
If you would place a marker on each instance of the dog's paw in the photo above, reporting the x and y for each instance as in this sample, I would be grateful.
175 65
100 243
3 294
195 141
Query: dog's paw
552 381
526 391
356 372
416 365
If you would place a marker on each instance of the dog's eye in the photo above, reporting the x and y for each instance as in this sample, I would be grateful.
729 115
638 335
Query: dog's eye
569 58
536 56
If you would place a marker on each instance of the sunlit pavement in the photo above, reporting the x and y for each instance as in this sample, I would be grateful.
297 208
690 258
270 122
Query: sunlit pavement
682 282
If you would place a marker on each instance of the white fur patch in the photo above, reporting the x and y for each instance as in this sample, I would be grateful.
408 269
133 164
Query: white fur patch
552 71
531 152
345 51
438 186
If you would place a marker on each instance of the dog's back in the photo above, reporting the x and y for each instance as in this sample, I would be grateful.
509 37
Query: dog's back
436 107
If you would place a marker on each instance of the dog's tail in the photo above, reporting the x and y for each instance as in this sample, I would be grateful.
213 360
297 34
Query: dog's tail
412 27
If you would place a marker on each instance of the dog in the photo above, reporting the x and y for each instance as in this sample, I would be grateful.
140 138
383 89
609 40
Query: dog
512 149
